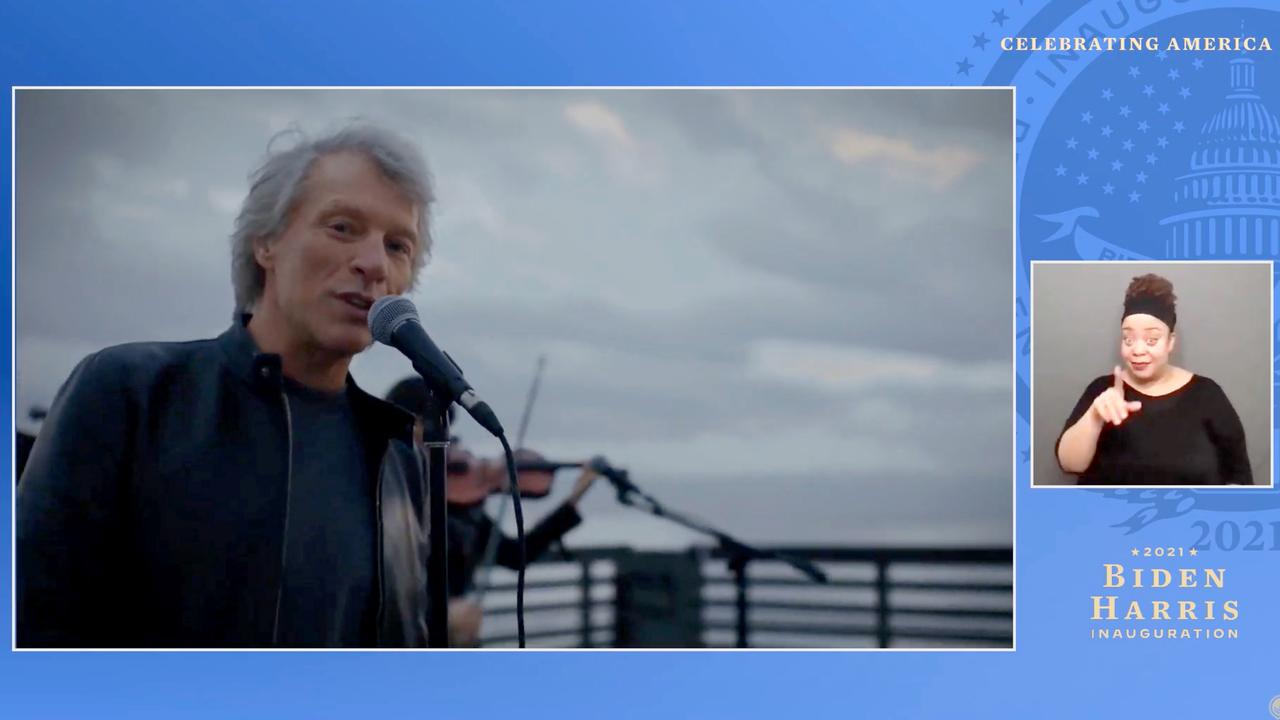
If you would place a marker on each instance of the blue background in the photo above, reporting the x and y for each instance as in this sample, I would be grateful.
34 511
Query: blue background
1063 536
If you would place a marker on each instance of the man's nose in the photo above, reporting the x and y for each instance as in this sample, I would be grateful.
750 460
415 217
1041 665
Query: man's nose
370 260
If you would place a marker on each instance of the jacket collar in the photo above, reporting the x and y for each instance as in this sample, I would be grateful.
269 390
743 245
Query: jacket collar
263 371
259 369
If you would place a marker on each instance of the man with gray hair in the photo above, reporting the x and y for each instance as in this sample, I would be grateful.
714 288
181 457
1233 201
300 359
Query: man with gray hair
243 491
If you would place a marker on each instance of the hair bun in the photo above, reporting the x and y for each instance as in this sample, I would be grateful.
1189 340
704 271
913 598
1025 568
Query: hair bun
1151 286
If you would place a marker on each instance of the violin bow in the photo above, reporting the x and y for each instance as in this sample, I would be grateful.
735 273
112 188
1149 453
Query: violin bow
495 529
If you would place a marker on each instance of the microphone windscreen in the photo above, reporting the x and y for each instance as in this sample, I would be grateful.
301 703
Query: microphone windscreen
388 313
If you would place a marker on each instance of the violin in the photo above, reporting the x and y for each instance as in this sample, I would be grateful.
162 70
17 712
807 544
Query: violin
469 479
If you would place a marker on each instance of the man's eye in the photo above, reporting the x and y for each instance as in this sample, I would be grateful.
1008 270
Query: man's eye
401 246
340 226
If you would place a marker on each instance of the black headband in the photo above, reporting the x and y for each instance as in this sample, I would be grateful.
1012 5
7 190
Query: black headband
1151 306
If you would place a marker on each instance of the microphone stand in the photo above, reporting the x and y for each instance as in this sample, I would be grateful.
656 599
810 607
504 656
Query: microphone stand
435 439
736 552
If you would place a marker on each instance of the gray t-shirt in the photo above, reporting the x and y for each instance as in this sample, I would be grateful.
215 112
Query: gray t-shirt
330 566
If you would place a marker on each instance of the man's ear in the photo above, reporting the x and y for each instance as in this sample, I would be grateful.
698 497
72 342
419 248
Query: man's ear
263 252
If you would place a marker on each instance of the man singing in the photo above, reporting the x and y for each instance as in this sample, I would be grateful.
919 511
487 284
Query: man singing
243 491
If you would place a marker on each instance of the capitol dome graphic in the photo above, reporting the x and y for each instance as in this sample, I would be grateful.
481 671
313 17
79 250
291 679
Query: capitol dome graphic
1230 200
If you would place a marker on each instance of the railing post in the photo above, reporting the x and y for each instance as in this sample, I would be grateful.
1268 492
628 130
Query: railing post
882 602
584 585
739 567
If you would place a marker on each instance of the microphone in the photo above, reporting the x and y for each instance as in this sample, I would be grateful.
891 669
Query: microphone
393 321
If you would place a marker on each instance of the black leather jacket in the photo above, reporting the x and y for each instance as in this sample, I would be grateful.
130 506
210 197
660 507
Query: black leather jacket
152 509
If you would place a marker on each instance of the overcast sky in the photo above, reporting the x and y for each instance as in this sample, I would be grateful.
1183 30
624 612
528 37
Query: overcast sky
797 298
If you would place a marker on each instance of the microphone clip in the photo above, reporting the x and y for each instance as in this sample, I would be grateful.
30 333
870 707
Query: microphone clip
617 477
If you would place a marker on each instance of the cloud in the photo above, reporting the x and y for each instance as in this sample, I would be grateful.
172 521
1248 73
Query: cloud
600 122
625 157
938 167
841 368
225 200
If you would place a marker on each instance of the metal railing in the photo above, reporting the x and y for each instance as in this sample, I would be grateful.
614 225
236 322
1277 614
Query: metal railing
875 597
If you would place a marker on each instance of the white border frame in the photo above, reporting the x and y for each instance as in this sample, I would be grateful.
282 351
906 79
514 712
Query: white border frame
1013 356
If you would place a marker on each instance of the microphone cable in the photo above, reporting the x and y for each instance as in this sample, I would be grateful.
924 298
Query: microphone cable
513 484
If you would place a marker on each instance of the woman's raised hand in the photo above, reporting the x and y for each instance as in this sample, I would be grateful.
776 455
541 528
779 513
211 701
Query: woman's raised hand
1110 405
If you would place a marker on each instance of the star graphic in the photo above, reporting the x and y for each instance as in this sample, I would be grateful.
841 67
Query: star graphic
1133 197
1108 189
1162 54
1163 109
1134 71
1151 159
963 67
1071 143
1141 176
980 41
1144 126
1082 179
1193 552
1127 144
1148 90
1086 117
1060 170
1185 93
1093 153
1106 131
1197 63
1174 74
1134 552
1162 141
1124 111
1107 94
998 17
1116 164
1179 127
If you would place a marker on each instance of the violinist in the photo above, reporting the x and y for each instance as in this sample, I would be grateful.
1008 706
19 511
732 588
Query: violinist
470 527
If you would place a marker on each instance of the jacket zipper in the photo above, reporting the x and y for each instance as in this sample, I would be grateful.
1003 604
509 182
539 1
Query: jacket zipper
377 504
288 493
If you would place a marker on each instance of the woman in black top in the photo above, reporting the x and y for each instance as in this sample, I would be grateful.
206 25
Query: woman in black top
1153 423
